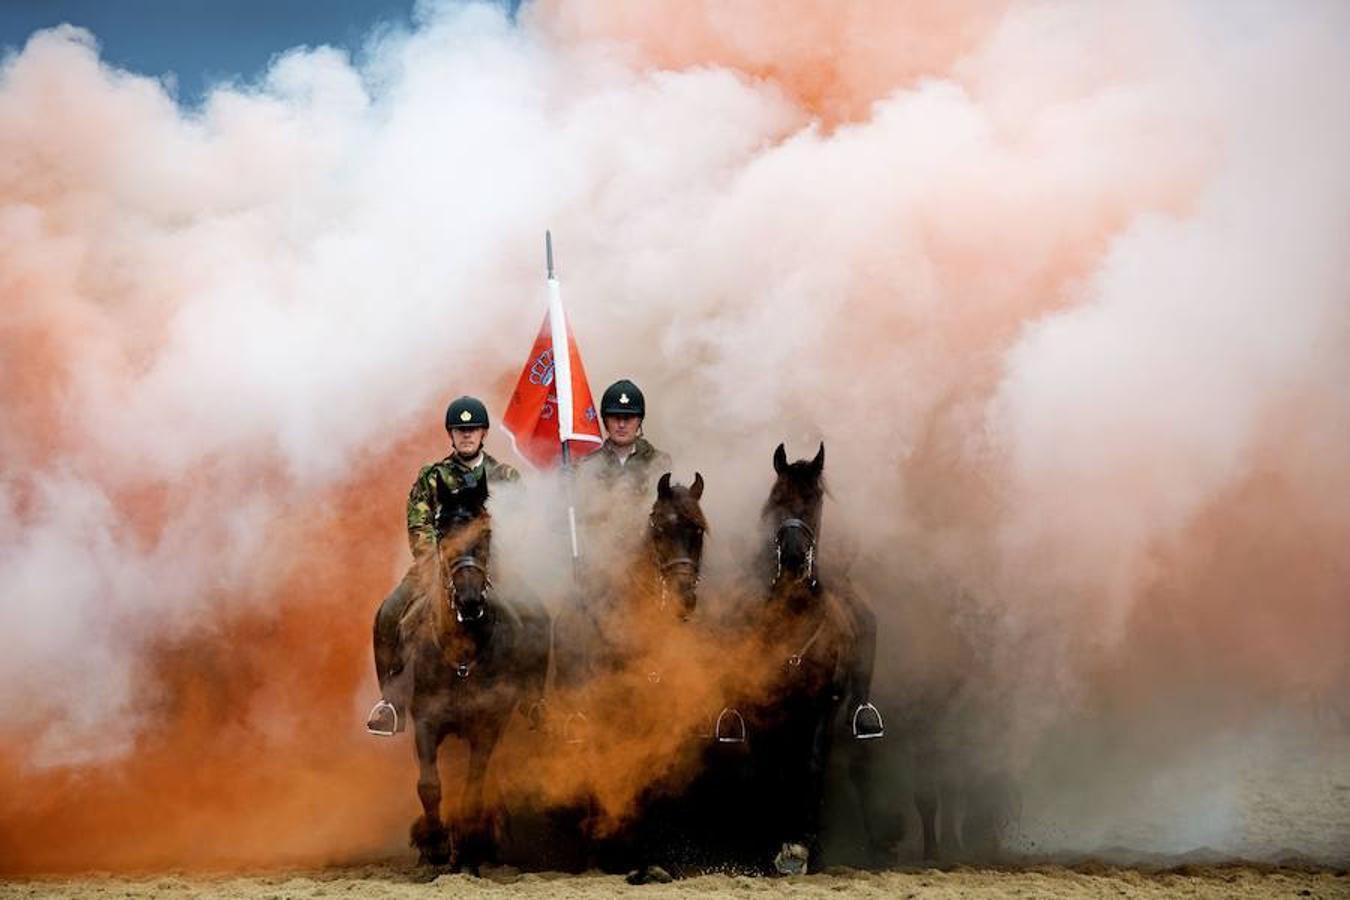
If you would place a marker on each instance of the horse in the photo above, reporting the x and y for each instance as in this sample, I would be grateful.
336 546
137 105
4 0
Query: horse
820 643
661 585
473 658
616 625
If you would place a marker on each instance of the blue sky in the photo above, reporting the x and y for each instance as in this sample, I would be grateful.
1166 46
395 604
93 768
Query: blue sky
202 41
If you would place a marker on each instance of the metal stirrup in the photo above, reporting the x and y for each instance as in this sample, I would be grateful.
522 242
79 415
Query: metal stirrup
570 736
737 737
881 723
392 708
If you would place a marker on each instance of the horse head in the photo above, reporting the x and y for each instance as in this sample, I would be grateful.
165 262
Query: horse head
792 515
675 529
463 548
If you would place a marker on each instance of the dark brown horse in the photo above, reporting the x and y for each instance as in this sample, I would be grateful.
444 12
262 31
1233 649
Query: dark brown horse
611 636
820 645
473 660
594 635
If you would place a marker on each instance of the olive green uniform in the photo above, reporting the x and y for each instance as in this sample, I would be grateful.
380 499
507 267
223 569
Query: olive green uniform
614 497
637 473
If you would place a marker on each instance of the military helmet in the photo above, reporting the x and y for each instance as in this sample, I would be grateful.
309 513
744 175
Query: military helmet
466 412
622 398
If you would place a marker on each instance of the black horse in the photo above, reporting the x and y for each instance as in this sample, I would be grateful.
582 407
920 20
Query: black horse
620 623
594 636
473 659
819 645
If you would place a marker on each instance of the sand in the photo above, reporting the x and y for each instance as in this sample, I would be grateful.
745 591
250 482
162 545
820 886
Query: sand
1298 810
392 880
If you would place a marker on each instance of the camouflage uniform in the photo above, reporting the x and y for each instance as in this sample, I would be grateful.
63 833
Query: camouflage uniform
453 473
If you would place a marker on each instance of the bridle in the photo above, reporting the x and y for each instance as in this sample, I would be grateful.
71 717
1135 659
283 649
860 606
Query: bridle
460 564
808 574
666 568
457 565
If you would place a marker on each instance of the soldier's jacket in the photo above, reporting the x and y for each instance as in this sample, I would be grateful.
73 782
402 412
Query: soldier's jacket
454 474
638 473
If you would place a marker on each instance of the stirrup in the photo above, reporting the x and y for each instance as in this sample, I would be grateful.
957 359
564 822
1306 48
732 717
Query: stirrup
735 733
576 735
867 723
373 723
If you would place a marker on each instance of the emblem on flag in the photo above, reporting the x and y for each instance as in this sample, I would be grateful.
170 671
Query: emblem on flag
542 371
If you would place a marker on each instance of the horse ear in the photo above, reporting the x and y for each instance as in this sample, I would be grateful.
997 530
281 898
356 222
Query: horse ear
663 487
696 489
780 459
818 464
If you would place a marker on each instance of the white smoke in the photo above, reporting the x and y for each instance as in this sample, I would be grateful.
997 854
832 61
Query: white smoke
1053 287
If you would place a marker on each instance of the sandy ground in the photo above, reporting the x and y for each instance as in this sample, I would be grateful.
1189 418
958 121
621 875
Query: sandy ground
1286 800
394 881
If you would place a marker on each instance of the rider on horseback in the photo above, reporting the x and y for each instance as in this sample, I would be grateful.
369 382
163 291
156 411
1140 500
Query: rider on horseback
615 483
626 457
466 420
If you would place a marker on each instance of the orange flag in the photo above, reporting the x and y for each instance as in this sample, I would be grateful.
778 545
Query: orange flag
552 402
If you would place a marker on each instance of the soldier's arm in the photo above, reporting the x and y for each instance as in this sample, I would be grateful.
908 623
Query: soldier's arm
421 517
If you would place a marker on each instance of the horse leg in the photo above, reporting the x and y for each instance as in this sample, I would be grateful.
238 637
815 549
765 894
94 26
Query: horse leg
429 834
952 808
991 805
474 842
814 807
926 792
862 765
926 803
804 789
537 637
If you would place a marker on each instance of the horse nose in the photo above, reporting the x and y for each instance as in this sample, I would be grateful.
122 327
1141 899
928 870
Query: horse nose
470 609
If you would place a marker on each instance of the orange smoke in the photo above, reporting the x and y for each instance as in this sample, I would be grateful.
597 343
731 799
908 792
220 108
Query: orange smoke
250 747
834 61
1062 288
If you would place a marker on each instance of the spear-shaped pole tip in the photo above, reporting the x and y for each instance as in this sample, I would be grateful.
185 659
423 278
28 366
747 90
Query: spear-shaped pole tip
548 250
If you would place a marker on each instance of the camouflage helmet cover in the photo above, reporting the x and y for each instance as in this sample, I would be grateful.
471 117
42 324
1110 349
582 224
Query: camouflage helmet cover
623 398
466 412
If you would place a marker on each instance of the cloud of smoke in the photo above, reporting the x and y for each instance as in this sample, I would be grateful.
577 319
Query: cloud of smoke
1062 288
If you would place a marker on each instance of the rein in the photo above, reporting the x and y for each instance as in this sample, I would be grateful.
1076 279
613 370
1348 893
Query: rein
795 660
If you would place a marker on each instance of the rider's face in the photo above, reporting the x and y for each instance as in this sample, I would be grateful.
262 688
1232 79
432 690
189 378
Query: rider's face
467 441
622 429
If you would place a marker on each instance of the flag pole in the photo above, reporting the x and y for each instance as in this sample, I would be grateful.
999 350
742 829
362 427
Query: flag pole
564 409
